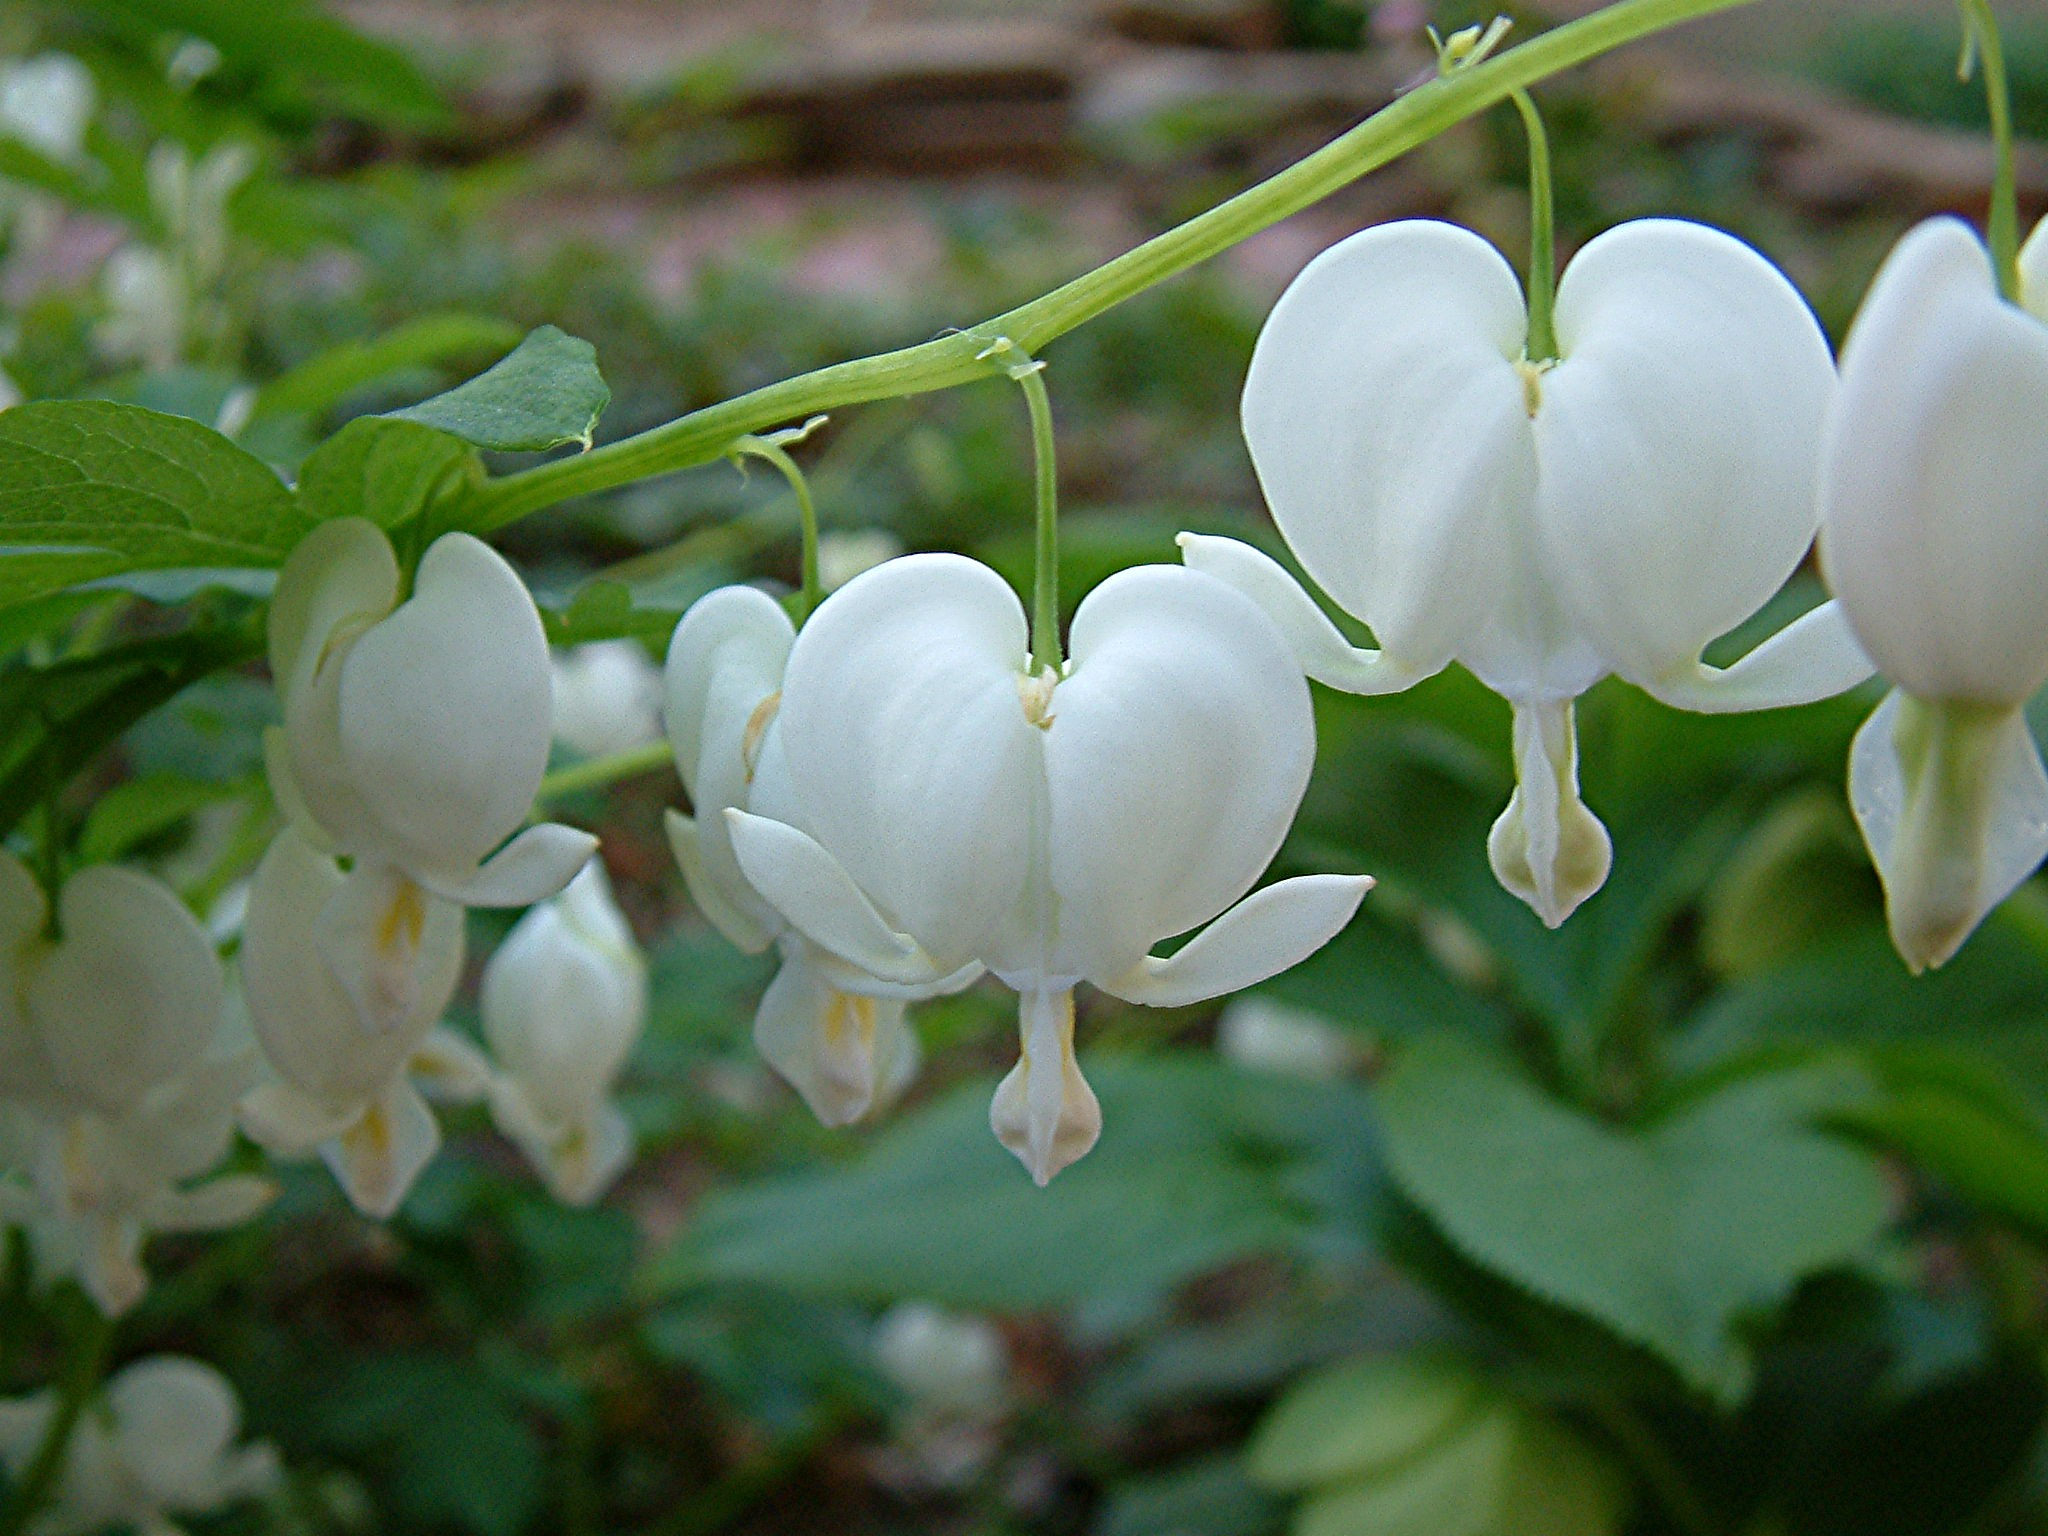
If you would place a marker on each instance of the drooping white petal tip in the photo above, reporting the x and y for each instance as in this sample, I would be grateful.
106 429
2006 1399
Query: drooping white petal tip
1953 803
1044 1111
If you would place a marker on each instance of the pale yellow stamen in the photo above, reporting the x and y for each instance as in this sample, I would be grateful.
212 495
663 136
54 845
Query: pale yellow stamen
757 730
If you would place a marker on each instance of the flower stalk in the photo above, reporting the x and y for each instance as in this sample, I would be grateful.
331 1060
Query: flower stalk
85 1360
1412 120
1982 43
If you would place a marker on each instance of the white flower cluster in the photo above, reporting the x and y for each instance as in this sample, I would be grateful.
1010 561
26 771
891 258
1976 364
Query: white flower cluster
416 733
415 737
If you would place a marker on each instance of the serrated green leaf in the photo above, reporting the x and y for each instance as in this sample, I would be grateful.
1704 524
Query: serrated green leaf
323 382
1507 1472
384 470
544 393
1361 1416
91 489
1670 1236
1198 1165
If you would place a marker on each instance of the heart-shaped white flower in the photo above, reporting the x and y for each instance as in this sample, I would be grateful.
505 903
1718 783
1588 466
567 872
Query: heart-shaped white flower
1053 827
1544 522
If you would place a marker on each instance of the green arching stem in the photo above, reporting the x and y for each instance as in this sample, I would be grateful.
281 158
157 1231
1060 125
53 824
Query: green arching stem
1413 119
1982 41
600 771
812 591
1542 344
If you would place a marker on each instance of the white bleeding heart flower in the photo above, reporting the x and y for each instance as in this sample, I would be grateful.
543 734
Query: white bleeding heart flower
961 811
1935 543
838 1036
1543 522
564 999
347 1092
162 1443
106 1041
607 698
415 738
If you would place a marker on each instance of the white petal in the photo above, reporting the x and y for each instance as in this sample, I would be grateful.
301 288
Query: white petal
1263 935
833 1047
1179 749
371 936
307 1024
110 1264
278 767
1678 439
378 1159
132 994
449 1068
1547 848
908 746
589 1160
214 1206
1953 803
537 864
444 711
2034 272
340 579
1814 657
718 899
288 1123
1387 423
1319 645
1934 539
174 1421
1044 1111
562 1011
725 668
813 890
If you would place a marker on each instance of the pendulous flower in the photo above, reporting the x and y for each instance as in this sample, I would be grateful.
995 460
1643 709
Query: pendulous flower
564 998
1544 521
1935 542
415 737
342 1090
959 809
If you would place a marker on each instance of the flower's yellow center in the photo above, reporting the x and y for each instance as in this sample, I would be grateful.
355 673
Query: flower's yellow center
1532 383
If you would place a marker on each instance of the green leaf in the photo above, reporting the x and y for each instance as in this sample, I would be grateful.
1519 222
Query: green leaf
140 809
1671 1236
56 719
1508 1472
1198 1165
295 43
1361 1416
1210 1496
387 471
450 1445
544 393
323 382
1960 1119
91 489
604 610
